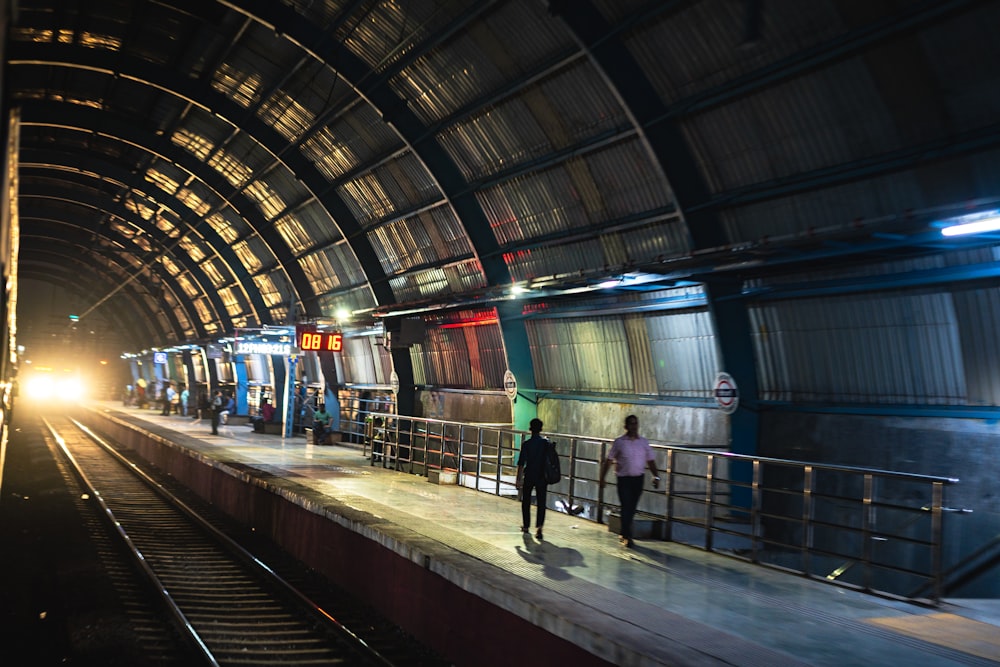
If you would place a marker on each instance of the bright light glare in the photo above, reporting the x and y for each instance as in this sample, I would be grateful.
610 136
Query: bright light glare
974 223
50 388
39 387
69 389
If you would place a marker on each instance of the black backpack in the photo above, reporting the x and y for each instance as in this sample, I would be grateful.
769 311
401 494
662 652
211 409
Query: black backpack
552 472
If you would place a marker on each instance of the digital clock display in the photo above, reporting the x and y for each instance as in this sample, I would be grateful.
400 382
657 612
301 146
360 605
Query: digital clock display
321 341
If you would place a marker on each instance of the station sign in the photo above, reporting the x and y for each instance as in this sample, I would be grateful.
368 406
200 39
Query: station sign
263 347
727 396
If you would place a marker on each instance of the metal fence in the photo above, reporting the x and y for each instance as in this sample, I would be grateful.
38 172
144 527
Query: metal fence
874 530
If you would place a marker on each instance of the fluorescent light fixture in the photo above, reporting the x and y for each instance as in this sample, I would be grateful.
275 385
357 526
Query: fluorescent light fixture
973 223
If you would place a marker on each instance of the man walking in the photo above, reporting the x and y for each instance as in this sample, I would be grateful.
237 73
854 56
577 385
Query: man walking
631 453
531 475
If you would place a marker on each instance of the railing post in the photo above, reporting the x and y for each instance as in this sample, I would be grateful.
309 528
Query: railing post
937 536
807 508
668 473
572 473
867 521
601 487
755 510
709 499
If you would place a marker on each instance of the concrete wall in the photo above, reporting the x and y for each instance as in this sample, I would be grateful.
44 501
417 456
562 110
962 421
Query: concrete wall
464 407
690 427
968 449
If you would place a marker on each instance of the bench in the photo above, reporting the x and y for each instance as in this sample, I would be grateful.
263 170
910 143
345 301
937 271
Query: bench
272 428
328 440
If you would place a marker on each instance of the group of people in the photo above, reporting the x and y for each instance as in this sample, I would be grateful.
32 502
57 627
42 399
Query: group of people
630 453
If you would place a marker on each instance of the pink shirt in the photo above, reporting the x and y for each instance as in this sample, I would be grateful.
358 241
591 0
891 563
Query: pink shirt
631 455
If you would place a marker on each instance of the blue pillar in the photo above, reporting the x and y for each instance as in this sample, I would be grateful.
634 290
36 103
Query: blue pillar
732 325
289 396
524 406
240 369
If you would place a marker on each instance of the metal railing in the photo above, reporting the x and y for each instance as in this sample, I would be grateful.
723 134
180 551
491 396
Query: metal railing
875 530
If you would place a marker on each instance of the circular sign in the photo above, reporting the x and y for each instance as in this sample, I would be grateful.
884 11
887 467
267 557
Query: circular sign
394 382
726 394
509 384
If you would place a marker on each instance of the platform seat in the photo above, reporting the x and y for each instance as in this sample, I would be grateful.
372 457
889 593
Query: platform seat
328 440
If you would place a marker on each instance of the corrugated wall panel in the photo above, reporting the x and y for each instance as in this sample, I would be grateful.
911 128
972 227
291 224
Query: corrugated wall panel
358 361
697 47
358 298
620 182
489 43
978 314
684 352
868 348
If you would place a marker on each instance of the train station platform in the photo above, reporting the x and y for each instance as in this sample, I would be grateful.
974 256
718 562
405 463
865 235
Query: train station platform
659 603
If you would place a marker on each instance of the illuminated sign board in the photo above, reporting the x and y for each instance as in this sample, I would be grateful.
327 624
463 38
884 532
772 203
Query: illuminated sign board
321 341
263 347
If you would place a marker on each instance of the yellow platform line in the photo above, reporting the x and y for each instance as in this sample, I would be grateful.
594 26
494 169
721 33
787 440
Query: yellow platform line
955 632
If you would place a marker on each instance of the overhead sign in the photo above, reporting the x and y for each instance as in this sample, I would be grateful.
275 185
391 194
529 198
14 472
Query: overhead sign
263 347
159 357
726 393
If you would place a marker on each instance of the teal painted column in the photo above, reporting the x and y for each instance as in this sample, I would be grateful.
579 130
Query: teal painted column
733 331
288 399
240 369
515 339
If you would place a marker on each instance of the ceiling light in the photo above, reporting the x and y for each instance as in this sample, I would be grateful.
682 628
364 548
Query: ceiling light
973 223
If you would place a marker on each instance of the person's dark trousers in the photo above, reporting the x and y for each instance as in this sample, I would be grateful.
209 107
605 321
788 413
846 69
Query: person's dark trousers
540 490
215 422
629 490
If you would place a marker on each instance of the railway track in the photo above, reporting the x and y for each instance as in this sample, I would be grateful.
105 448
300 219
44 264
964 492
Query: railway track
231 607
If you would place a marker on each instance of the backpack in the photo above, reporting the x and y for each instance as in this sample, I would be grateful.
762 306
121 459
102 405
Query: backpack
552 472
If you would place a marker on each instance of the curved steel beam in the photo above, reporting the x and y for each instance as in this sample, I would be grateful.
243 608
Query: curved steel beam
68 166
50 259
68 279
394 110
90 120
204 97
30 200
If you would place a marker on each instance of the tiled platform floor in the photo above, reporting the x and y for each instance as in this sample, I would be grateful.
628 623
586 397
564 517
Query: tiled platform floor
659 603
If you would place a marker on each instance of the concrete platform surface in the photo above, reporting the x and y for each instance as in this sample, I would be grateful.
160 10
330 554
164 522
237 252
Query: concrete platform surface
659 603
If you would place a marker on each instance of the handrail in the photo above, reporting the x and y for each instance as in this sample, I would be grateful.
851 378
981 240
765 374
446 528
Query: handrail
798 516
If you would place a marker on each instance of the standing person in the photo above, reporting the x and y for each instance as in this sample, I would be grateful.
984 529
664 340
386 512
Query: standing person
216 411
531 475
168 398
631 454
185 395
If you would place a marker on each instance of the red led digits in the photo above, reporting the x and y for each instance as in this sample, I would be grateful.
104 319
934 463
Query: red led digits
321 341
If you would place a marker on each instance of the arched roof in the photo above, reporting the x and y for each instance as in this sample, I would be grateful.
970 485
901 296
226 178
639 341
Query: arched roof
265 161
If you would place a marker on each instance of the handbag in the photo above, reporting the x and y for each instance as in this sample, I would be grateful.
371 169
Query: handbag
552 472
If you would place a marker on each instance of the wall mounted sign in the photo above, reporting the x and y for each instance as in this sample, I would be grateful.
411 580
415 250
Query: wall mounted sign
726 394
